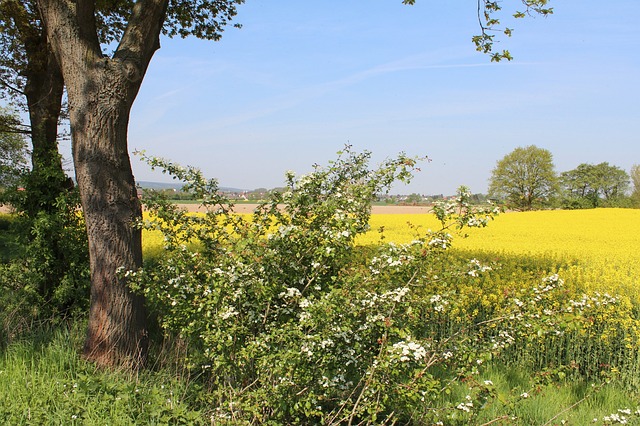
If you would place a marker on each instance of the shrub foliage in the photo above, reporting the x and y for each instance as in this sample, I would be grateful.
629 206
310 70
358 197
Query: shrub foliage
292 323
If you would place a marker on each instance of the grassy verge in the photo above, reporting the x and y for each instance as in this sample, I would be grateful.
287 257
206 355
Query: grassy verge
44 381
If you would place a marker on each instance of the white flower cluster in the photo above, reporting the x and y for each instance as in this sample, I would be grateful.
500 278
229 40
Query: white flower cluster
503 340
305 349
465 406
438 302
285 230
477 268
407 350
552 282
228 313
441 241
290 293
588 302
394 259
479 222
342 234
395 295
619 417
548 284
304 303
337 381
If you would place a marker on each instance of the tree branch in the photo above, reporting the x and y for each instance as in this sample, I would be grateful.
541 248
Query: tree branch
13 125
71 23
12 88
141 37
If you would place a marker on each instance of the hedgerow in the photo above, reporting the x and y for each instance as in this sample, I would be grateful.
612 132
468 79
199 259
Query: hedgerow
292 323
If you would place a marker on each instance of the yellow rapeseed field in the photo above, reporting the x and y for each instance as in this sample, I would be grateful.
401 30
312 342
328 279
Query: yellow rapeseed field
600 248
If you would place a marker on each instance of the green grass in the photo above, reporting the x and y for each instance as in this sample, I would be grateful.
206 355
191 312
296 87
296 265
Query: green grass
44 381
530 402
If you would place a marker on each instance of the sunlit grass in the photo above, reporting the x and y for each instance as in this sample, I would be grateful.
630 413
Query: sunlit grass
44 381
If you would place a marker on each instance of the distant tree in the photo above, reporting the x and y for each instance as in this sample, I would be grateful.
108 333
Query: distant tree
578 191
414 198
589 185
478 198
13 153
524 178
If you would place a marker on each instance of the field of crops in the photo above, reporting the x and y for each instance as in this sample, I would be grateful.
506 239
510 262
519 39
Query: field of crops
596 250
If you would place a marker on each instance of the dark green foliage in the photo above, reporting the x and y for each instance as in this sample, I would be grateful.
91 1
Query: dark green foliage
595 185
48 277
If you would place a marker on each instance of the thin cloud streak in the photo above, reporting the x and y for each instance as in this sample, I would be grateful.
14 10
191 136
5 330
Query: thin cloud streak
298 97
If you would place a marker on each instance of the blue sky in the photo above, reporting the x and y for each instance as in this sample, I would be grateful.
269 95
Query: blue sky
303 78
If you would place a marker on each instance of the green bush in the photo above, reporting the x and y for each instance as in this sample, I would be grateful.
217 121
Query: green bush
47 276
291 323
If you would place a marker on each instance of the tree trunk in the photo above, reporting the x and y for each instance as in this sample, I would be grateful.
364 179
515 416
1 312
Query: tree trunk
117 333
117 318
43 90
101 91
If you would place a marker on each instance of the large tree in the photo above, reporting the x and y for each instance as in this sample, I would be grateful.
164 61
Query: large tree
30 77
589 184
101 90
524 178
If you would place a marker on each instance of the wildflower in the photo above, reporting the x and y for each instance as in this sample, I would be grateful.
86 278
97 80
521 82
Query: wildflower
304 303
228 313
290 293
410 350
306 350
465 406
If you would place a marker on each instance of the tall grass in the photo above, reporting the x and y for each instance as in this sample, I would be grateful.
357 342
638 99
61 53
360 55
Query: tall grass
44 381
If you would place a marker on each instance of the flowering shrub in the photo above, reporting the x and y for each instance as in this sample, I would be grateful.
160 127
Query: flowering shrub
293 323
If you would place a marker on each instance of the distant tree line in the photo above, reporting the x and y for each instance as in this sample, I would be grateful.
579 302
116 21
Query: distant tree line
525 179
260 194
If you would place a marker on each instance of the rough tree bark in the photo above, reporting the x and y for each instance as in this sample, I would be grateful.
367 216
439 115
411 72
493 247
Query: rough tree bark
101 91
43 90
